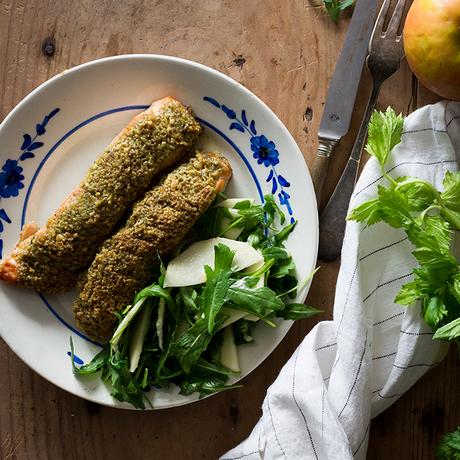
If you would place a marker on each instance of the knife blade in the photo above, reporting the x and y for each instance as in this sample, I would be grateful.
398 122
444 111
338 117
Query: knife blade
343 88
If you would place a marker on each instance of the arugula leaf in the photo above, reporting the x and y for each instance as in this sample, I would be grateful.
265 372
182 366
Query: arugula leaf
277 253
261 271
212 367
208 225
296 311
283 234
255 220
243 204
95 365
115 369
271 210
154 290
123 386
247 218
217 283
205 385
385 130
186 297
255 238
449 446
283 268
191 344
259 301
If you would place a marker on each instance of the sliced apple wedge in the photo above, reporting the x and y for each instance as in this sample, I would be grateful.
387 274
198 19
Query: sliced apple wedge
230 203
229 352
187 269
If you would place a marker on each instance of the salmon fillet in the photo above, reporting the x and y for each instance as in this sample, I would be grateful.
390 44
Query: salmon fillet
51 259
158 222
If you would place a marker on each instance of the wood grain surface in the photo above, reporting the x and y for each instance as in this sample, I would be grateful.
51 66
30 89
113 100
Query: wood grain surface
283 51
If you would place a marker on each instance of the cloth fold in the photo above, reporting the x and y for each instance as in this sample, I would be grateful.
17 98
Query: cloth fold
348 370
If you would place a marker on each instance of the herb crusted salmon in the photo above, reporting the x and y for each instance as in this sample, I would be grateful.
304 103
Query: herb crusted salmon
158 222
51 259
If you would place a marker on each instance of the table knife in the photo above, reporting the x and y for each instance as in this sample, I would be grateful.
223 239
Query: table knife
341 96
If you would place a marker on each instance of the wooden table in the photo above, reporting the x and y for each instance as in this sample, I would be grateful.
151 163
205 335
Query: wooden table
283 51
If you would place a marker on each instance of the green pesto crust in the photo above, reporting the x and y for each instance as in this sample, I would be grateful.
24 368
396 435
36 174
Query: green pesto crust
53 258
158 222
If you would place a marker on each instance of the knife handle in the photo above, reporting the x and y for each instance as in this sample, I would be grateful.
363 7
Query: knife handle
321 165
333 219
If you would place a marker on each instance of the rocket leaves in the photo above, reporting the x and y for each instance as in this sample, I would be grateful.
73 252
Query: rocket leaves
183 342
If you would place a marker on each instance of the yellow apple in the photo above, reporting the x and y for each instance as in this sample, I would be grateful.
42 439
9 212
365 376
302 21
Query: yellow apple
432 45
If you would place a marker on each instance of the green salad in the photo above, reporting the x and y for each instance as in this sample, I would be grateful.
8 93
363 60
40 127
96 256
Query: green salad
231 272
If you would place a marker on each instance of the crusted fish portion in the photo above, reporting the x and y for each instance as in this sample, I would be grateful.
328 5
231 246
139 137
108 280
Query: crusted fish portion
158 222
51 259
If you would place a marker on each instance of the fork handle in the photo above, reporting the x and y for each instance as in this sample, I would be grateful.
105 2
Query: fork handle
333 219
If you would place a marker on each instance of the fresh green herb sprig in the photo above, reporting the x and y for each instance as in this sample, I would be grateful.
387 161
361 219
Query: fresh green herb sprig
429 217
335 7
449 446
178 332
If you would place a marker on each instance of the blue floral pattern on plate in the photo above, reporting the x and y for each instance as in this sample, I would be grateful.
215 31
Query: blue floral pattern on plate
263 150
11 177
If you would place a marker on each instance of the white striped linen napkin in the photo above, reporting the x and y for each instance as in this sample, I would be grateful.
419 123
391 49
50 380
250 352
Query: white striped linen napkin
348 370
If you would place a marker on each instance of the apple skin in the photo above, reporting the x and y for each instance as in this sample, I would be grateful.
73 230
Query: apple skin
432 45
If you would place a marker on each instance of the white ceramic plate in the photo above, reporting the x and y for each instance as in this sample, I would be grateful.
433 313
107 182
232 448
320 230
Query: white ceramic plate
48 142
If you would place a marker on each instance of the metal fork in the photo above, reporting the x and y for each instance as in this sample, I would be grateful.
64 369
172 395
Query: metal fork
385 55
